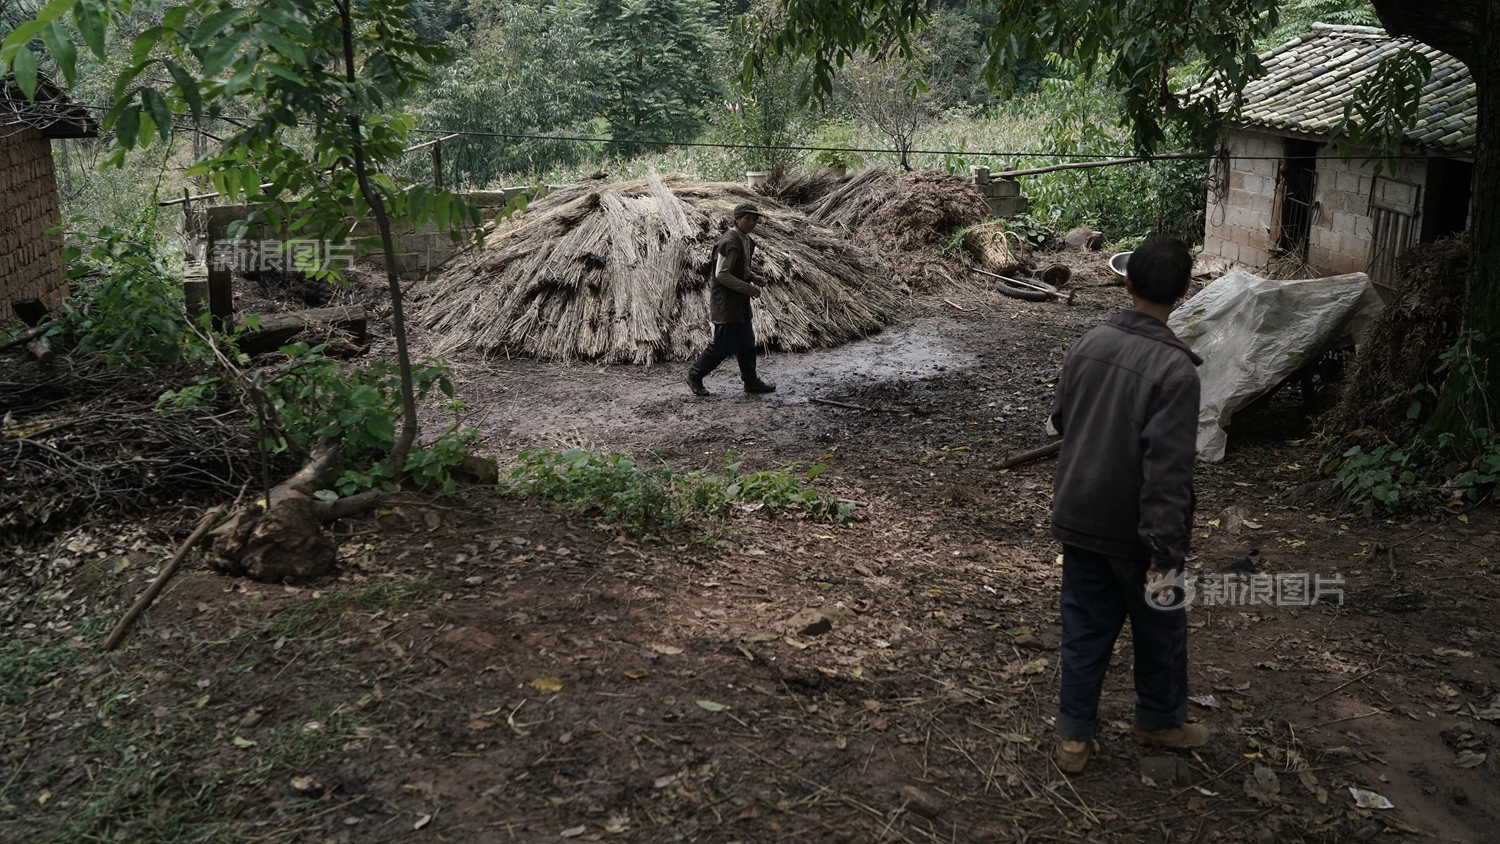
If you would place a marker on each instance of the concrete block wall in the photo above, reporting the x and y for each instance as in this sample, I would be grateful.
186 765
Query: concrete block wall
419 250
1341 230
30 259
1002 195
1237 227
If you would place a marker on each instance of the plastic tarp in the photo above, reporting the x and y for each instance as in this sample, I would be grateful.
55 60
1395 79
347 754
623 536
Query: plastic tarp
1254 332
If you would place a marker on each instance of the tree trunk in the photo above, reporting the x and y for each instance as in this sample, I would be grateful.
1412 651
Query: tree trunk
1470 394
408 433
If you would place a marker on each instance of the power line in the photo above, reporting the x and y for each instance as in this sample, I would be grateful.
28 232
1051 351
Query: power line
799 148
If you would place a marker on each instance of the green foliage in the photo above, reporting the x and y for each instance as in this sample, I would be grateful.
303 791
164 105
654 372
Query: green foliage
767 112
836 138
312 398
127 305
315 88
1483 471
1385 104
643 499
519 71
656 59
1157 197
1298 16
1382 480
1132 45
889 97
637 498
1034 230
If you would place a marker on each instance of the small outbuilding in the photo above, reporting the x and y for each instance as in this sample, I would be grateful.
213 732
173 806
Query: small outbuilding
30 258
1283 197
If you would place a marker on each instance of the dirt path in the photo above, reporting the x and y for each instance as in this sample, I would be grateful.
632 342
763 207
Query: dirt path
487 669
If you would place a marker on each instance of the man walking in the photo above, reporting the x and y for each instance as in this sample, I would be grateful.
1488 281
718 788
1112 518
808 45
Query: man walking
1122 506
732 286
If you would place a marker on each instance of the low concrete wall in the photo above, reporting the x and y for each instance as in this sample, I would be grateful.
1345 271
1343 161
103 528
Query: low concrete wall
420 250
1001 193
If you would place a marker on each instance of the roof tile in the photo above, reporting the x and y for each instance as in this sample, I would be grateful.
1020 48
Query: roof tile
1333 61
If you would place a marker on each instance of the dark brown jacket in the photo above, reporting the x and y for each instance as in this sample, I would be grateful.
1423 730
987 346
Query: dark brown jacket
729 293
1127 407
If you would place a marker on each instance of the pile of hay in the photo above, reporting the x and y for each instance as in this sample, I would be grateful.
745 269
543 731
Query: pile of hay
1419 323
927 211
910 218
799 189
614 273
909 212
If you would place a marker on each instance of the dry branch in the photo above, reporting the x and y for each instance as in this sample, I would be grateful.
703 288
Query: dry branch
160 583
1033 454
25 337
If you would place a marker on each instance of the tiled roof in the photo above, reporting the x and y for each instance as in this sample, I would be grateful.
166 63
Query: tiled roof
1310 78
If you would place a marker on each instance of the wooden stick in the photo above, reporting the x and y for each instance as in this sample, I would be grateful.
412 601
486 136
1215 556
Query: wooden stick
1344 685
25 336
1034 454
40 349
160 583
840 404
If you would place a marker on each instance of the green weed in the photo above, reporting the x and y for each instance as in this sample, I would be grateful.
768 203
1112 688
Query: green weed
643 499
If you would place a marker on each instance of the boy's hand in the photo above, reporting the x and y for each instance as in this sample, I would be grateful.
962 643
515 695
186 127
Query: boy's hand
754 291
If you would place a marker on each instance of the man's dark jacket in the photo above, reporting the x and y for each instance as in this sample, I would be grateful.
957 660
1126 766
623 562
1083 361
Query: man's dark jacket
729 296
1127 407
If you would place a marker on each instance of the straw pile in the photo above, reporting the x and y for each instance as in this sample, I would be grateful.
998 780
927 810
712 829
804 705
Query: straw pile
1418 324
615 273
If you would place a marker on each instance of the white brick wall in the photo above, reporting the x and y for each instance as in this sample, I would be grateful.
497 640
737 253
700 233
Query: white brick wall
1341 229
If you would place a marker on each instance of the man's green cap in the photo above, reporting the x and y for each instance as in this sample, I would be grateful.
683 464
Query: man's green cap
745 208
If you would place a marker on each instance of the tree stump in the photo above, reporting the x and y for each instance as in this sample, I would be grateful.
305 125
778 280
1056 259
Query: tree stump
285 544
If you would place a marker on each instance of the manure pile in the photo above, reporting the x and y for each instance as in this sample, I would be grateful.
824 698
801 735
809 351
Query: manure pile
613 273
1408 338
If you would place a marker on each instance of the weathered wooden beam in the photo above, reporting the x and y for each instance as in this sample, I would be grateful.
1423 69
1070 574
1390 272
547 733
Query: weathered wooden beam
274 330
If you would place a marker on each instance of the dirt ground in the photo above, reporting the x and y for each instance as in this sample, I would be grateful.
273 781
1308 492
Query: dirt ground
486 669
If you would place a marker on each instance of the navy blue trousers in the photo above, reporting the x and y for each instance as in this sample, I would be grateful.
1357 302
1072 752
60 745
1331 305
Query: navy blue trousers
1098 594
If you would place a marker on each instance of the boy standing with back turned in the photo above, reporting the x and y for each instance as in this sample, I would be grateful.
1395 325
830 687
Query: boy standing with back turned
1122 506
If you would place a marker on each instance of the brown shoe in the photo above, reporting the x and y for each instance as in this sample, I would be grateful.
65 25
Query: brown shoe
1073 761
1180 737
695 384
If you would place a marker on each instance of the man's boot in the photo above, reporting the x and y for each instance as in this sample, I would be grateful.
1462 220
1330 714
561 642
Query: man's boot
753 384
701 367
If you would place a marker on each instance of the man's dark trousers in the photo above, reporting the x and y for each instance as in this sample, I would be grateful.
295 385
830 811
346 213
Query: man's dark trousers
708 362
1098 594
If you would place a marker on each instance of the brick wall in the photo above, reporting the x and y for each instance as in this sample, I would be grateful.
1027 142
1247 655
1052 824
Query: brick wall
30 261
1237 227
1340 238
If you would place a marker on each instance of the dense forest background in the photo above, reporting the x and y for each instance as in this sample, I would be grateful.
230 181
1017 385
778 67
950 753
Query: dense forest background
550 91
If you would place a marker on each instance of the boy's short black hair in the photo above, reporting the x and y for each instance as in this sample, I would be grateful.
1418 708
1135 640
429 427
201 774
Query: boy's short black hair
1160 269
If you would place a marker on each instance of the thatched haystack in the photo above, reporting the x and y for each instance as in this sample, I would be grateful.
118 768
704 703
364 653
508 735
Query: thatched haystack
1418 324
614 273
801 189
910 218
